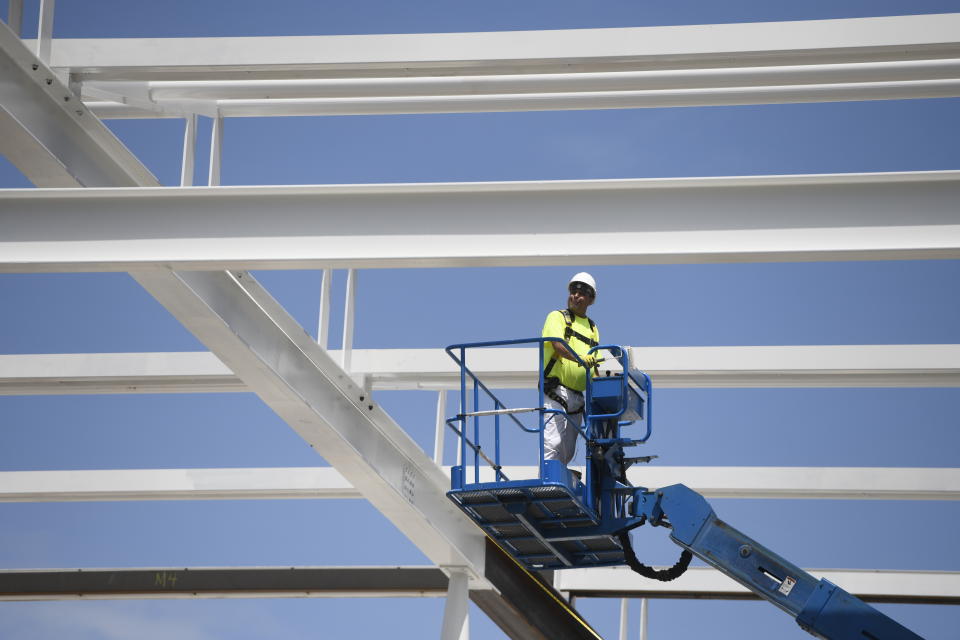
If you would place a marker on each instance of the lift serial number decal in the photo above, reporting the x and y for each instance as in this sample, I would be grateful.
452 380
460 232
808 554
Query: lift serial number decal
787 585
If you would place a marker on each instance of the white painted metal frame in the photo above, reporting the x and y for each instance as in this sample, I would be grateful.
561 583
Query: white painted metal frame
49 135
909 215
261 344
706 582
456 624
323 322
557 84
216 144
45 30
15 16
644 99
189 151
288 483
922 365
266 350
821 42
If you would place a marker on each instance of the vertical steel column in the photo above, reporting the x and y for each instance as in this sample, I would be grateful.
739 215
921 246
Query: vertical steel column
624 607
15 16
455 622
216 141
349 303
441 427
643 619
189 150
45 31
323 330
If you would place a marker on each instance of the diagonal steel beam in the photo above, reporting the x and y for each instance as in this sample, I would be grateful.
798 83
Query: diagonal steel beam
49 135
233 321
255 337
252 334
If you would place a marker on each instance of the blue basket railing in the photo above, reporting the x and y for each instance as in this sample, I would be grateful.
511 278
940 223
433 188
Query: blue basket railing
643 388
460 424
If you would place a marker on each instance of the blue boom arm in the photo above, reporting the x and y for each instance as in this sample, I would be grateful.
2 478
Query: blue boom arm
561 519
819 607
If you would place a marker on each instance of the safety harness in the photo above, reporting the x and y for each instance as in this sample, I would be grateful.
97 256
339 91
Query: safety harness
550 384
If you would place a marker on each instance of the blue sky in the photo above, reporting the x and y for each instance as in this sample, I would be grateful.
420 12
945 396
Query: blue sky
749 304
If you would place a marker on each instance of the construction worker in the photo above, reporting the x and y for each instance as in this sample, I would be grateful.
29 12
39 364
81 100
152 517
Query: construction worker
564 377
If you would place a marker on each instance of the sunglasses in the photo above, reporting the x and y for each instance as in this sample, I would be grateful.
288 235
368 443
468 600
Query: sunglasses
578 287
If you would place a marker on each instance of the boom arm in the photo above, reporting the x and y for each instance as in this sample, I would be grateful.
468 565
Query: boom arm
819 607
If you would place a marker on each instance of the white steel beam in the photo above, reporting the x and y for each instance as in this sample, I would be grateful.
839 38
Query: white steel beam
216 151
323 321
553 83
910 215
45 30
886 80
15 16
834 483
660 98
49 135
920 365
706 582
455 624
108 373
283 483
515 52
253 335
189 151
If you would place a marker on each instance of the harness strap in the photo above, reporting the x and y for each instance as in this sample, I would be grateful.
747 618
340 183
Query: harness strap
568 333
571 332
549 367
550 390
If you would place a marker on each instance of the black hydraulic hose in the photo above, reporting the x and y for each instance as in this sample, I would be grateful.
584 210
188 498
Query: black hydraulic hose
663 575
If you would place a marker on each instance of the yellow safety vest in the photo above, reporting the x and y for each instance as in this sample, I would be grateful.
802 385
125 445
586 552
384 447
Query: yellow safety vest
581 334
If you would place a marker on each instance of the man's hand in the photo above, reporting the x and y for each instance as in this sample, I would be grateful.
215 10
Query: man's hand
590 360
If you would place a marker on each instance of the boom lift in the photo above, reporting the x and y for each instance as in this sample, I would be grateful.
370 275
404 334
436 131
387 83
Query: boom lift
562 520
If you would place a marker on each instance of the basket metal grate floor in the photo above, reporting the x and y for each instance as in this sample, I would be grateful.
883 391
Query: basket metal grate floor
537 523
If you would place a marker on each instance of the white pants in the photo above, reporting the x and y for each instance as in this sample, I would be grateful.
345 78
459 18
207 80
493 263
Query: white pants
560 431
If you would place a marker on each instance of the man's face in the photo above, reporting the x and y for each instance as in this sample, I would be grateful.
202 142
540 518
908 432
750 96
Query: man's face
581 297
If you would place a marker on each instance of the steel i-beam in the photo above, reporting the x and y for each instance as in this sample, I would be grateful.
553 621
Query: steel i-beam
47 133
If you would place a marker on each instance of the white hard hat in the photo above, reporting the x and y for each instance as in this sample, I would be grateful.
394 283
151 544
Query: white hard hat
586 279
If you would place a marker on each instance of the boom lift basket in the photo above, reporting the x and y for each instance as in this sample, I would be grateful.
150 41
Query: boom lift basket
559 519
